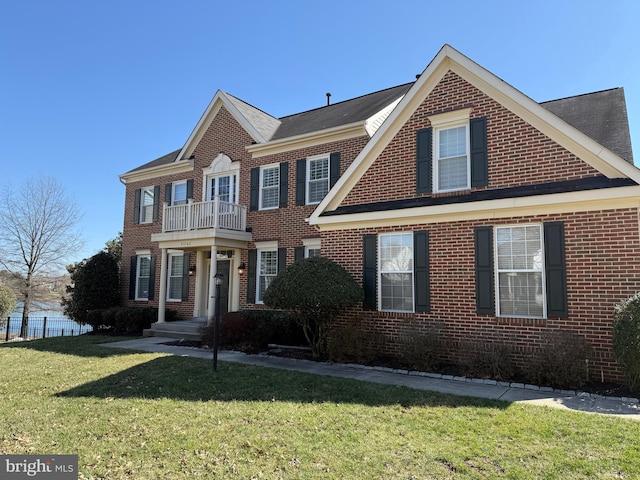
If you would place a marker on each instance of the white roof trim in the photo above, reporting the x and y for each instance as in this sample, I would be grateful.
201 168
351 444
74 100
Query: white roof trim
219 99
568 202
448 58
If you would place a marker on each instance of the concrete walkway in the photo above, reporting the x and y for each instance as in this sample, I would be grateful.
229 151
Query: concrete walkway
623 407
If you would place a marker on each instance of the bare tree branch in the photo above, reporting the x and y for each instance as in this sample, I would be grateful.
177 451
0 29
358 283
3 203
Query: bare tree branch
37 233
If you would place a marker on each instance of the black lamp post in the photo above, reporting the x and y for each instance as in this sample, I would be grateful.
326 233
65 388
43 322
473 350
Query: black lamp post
216 333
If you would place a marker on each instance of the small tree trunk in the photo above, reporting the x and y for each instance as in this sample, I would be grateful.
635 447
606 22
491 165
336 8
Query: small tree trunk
26 309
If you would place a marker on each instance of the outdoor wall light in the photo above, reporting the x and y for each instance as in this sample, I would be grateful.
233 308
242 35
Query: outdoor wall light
192 270
242 269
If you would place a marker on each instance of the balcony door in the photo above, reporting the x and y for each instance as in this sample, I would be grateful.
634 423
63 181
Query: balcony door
223 186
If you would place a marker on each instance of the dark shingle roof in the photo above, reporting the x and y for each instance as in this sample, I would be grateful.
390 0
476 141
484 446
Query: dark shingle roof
164 160
601 116
342 113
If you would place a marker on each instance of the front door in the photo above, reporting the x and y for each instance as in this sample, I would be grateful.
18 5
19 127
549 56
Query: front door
224 267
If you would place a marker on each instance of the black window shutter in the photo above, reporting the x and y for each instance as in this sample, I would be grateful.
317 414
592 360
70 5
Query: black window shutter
136 206
133 277
152 277
298 253
555 270
185 276
189 189
156 202
485 300
282 259
254 189
334 168
167 193
284 185
479 161
301 181
251 276
423 160
369 270
421 271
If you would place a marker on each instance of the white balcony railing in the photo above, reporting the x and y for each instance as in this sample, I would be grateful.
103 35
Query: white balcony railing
199 215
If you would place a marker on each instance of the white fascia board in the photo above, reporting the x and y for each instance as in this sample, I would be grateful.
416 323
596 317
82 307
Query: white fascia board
155 172
448 58
569 137
569 202
219 99
334 134
383 136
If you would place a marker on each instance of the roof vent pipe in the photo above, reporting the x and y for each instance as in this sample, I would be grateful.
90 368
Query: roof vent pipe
328 99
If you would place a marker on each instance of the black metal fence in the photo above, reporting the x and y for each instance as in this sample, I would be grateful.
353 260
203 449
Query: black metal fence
41 327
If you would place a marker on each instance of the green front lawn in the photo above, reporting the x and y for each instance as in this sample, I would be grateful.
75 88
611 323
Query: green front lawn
152 416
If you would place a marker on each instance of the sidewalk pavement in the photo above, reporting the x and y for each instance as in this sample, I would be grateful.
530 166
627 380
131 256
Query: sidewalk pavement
569 400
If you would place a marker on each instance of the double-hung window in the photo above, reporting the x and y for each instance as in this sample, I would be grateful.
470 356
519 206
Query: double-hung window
317 178
520 274
175 277
179 194
143 272
267 271
269 187
451 151
396 272
146 205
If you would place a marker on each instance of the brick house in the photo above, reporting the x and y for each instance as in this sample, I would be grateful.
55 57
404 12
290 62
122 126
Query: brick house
458 202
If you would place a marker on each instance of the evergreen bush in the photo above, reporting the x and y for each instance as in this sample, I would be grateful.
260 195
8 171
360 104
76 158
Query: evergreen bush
626 339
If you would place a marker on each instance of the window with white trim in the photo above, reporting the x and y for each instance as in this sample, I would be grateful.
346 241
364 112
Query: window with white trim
452 168
175 277
520 272
179 194
267 271
311 247
143 272
451 159
269 187
395 272
317 178
146 205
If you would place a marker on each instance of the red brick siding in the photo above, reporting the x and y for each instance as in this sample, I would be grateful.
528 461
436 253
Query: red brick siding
518 153
288 225
600 273
223 135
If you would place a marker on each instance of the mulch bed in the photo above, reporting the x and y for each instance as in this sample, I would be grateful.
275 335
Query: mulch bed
606 389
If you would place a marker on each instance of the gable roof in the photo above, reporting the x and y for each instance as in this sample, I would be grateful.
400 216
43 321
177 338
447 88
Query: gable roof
448 59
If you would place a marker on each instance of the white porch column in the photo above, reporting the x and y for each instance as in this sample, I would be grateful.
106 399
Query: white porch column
162 300
211 306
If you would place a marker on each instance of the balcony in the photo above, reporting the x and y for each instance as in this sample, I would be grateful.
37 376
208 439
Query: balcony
214 214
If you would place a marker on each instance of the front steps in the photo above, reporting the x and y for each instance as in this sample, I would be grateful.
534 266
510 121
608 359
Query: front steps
180 330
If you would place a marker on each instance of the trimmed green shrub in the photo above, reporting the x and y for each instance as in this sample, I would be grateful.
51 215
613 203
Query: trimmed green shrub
626 339
125 320
562 361
316 290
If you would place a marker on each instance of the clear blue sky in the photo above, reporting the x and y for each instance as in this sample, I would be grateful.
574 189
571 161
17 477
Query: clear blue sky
90 90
